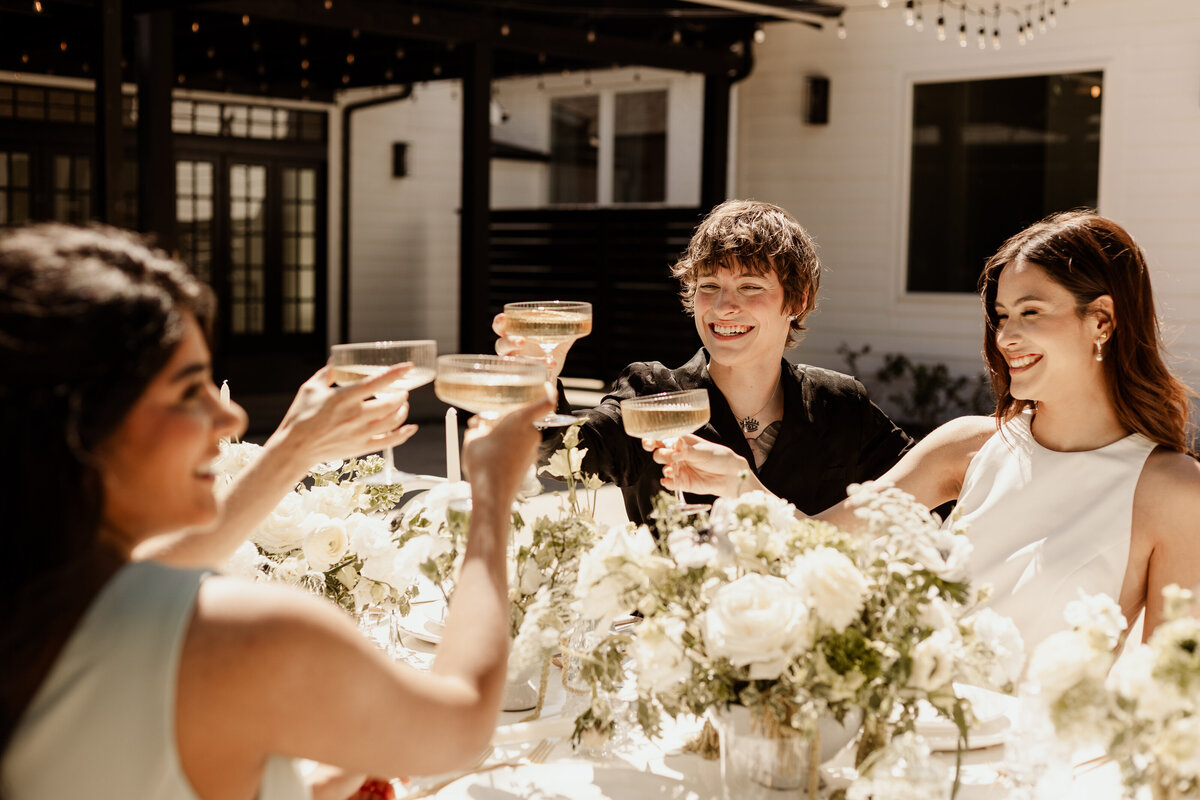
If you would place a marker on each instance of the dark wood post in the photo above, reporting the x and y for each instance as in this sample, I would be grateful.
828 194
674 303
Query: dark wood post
109 203
154 58
474 325
714 153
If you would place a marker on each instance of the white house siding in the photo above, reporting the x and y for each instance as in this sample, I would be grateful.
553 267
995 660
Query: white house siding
847 181
403 231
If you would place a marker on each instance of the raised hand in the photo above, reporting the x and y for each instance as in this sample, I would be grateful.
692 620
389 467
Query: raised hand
518 346
702 467
497 455
328 423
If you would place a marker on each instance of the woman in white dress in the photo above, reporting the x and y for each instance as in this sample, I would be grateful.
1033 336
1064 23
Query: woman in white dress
125 679
1085 477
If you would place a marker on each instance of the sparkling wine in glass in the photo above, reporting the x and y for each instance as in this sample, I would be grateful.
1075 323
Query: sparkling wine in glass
666 417
357 362
487 385
549 323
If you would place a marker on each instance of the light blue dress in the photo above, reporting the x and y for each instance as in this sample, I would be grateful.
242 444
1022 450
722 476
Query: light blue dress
102 724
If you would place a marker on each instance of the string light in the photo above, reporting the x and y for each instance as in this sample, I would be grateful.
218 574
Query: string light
37 7
591 35
505 30
909 19
941 22
919 25
982 30
760 35
962 27
196 26
676 36
883 3
245 20
1033 18
841 29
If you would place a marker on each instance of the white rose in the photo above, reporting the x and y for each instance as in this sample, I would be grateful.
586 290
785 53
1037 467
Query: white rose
246 562
234 458
283 530
369 536
614 567
1065 659
832 584
438 500
400 568
758 621
326 544
291 570
1000 635
369 593
332 500
933 662
658 650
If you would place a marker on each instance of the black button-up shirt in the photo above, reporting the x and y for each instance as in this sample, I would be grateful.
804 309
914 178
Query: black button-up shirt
831 435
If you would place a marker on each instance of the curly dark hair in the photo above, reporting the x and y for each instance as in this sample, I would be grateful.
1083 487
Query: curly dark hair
758 238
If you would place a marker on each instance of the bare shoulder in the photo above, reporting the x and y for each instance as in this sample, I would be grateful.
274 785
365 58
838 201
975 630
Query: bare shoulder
933 470
1168 492
233 608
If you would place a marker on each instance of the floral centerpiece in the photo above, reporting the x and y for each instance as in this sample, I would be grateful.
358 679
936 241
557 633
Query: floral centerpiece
1141 708
326 536
794 621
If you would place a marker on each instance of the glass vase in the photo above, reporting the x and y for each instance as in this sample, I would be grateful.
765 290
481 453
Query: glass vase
769 761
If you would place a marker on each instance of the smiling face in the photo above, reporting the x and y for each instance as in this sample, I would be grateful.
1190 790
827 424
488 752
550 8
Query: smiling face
155 466
741 317
1049 347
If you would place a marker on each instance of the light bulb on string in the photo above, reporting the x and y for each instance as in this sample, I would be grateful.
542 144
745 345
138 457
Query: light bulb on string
1042 18
1029 27
841 28
909 18
883 3
37 6
1021 34
982 30
760 35
962 26
919 23
1053 19
941 22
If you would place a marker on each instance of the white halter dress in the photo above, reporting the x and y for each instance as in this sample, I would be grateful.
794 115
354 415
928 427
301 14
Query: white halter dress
1046 524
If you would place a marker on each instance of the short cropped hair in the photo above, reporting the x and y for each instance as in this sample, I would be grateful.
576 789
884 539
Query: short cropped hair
755 238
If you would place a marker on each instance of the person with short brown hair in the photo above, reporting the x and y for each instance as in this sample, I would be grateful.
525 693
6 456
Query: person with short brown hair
749 278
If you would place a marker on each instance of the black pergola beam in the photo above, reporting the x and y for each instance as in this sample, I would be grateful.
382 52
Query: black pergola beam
154 57
449 26
474 285
110 200
714 148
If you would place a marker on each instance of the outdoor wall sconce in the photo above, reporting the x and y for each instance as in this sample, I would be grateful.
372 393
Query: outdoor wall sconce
399 159
816 105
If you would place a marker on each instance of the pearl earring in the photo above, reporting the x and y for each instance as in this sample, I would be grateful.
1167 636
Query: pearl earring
1099 352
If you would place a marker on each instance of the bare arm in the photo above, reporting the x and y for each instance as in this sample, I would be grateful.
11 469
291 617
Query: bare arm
1166 535
932 471
324 423
517 346
267 670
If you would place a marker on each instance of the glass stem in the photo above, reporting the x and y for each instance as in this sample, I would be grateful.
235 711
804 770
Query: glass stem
387 465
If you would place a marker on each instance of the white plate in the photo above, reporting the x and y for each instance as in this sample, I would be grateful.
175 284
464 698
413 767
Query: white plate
424 622
992 713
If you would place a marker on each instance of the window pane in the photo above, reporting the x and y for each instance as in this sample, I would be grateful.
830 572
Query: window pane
62 173
991 157
20 169
208 119
640 148
574 147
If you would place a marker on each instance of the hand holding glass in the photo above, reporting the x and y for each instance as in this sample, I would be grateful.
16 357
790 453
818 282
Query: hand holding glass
548 324
665 417
357 362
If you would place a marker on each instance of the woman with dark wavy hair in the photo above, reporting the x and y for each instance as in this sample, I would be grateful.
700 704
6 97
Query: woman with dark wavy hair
1084 479
132 679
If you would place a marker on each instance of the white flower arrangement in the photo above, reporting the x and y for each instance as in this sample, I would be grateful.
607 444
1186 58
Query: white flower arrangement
1141 708
795 620
326 536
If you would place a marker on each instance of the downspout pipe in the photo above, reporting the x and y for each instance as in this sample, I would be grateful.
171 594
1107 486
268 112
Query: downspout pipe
344 224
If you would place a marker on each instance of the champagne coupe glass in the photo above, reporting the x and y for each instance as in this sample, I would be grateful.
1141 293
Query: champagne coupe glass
356 362
666 417
487 385
549 323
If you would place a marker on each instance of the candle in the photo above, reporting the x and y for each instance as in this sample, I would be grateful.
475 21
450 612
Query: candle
452 470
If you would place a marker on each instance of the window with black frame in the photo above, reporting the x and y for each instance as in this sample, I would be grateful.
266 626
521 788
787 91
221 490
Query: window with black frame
990 157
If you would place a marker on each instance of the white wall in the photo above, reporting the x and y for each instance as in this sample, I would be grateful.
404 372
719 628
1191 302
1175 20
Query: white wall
847 181
403 231
522 184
